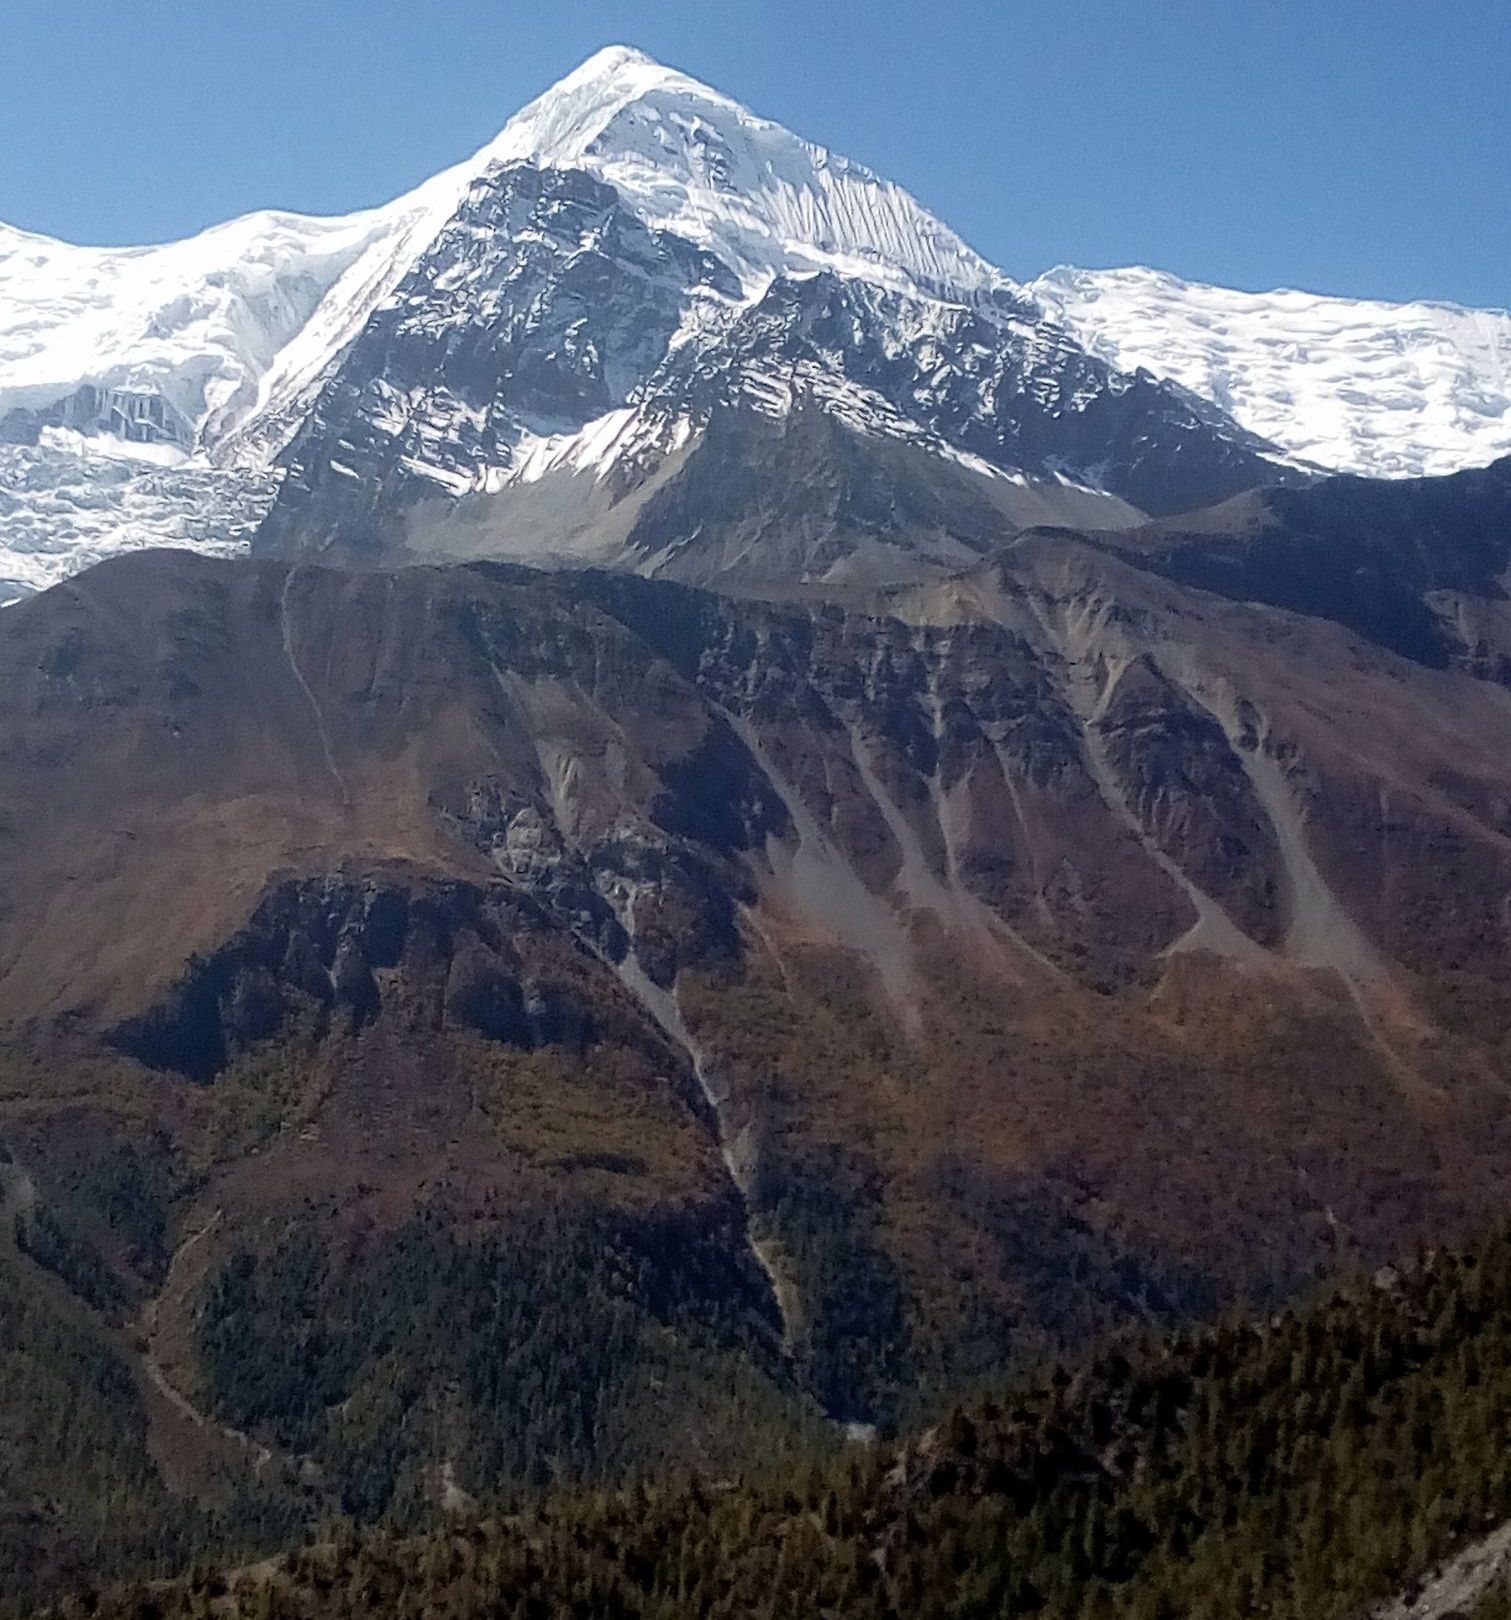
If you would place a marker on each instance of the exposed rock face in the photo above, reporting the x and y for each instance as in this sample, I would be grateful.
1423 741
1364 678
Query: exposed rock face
456 955
543 301
556 378
992 381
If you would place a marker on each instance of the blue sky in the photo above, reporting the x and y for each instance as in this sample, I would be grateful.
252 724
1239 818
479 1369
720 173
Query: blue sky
1351 146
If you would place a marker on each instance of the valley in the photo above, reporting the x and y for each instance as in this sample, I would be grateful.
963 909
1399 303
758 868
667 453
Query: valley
1267 1469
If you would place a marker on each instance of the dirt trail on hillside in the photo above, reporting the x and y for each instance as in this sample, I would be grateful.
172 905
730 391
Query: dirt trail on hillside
157 1374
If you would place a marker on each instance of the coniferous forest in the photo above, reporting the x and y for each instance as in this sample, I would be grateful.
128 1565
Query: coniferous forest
1301 1467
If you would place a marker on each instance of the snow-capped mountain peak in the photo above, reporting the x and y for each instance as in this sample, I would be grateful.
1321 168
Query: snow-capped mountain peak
226 331
625 257
690 160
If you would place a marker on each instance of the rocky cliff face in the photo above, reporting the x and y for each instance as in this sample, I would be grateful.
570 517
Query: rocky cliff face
555 378
543 301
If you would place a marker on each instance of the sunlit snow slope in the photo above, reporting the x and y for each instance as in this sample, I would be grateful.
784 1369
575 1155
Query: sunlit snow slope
692 161
1388 390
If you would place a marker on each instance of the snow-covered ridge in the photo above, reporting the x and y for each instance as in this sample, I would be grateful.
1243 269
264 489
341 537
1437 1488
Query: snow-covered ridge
223 327
690 160
205 356
1387 390
195 322
233 327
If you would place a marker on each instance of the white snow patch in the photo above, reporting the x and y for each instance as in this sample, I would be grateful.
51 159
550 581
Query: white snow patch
1386 390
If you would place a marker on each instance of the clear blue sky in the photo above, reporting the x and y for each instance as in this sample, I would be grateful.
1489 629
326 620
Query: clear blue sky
1352 146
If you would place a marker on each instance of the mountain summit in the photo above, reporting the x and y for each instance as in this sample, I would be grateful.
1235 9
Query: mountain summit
219 326
692 161
152 395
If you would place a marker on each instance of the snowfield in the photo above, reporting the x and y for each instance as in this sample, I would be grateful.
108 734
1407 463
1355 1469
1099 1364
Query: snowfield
1387 390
